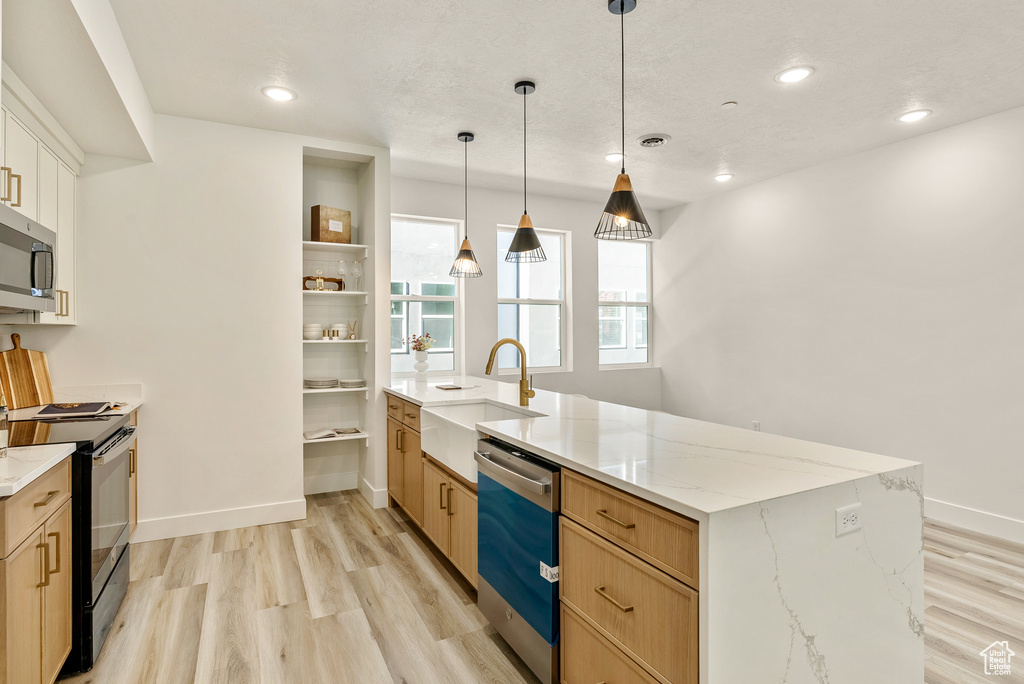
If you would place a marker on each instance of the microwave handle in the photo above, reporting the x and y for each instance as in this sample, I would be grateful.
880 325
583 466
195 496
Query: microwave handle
42 254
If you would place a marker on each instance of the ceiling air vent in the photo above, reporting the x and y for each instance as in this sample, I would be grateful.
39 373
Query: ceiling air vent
653 140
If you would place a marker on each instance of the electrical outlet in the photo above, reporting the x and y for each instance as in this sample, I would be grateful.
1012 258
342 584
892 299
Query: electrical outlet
757 426
848 519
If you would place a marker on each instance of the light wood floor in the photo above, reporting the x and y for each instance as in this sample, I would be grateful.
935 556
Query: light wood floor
354 595
349 595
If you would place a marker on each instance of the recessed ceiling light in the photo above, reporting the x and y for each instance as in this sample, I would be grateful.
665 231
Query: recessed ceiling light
722 177
279 94
653 139
613 157
916 115
794 75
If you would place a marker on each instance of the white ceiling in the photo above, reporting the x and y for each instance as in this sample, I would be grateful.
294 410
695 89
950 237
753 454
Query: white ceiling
410 74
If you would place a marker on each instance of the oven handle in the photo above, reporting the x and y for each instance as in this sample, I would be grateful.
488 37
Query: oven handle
116 447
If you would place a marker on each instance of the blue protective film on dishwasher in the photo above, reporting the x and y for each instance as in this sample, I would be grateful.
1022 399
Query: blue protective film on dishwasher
514 536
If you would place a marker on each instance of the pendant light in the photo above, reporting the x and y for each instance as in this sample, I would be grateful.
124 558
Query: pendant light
525 247
466 265
623 219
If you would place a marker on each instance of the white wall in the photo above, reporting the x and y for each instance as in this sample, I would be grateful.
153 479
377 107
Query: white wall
488 209
188 273
873 302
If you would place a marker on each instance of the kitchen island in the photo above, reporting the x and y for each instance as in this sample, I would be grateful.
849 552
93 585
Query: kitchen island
794 585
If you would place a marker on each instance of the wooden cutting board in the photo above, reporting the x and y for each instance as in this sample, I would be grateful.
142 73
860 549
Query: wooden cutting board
24 376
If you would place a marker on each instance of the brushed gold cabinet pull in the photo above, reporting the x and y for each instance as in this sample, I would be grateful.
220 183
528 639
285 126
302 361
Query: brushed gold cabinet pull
131 462
601 592
49 497
18 203
410 415
56 544
443 485
46 565
450 512
7 197
604 514
400 439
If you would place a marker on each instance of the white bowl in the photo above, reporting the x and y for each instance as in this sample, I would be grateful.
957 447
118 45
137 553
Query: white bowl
315 335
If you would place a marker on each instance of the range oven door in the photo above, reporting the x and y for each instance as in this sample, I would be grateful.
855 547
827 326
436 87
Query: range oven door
109 533
26 264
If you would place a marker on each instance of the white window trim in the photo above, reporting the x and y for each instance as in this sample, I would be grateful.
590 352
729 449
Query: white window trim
565 302
459 299
649 363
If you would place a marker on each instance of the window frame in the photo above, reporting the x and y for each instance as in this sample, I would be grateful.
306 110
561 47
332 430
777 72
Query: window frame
565 315
458 300
649 305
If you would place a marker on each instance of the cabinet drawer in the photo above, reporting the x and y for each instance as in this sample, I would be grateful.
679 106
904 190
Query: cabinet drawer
395 407
647 613
21 514
666 540
587 657
411 416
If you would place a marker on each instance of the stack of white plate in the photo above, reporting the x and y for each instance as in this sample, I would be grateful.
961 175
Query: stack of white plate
312 331
352 384
319 383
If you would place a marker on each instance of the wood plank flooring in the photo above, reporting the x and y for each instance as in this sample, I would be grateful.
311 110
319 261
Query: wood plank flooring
355 595
349 595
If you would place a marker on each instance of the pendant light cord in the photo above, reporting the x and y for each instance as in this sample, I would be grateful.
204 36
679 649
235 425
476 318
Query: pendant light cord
622 33
465 167
524 151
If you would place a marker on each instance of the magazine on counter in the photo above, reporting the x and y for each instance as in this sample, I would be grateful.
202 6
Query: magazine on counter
73 410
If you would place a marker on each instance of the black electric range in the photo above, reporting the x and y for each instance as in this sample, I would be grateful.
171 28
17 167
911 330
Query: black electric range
99 515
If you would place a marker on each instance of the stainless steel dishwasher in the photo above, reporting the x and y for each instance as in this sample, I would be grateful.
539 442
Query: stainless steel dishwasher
518 508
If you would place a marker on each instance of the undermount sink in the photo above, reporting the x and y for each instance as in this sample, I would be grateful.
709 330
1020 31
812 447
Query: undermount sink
449 433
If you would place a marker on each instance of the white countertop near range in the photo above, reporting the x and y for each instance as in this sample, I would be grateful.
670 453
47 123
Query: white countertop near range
25 464
690 466
128 395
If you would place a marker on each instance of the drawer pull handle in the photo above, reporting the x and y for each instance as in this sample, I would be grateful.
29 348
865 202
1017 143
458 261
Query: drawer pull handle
56 545
50 496
46 565
410 415
603 594
604 514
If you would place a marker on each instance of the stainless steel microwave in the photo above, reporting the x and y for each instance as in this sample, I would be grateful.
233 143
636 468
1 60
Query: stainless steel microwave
26 264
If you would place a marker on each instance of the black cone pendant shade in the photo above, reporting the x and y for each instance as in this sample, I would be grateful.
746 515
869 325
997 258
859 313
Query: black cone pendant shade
525 247
466 265
623 219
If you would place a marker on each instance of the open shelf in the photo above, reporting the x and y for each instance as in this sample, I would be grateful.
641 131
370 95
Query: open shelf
333 341
330 390
342 438
333 293
331 247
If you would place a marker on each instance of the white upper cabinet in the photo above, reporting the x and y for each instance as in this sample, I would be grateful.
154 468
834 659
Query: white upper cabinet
21 159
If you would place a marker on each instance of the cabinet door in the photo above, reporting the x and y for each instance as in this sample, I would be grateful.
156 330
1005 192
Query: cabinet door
21 152
413 475
57 594
48 166
435 505
133 481
24 610
462 514
396 464
65 247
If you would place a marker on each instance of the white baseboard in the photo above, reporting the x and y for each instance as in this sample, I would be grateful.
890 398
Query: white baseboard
215 521
378 498
975 520
331 482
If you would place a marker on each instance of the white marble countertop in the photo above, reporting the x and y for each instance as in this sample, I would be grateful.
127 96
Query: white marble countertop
25 464
689 466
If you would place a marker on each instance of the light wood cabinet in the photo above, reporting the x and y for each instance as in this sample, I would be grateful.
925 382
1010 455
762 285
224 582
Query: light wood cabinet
449 518
35 614
405 475
587 657
396 463
412 461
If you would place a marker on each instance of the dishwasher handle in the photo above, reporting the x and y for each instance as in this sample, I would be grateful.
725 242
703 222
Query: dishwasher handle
529 484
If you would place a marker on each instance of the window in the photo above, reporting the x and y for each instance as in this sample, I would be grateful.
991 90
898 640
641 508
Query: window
532 303
424 298
623 302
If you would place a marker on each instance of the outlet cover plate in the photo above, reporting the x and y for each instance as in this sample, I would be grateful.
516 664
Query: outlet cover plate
848 519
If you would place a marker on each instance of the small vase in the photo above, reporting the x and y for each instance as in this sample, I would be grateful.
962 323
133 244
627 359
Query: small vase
421 365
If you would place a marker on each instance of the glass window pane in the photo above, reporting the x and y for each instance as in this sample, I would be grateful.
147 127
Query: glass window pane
421 253
440 327
399 288
397 334
538 327
438 308
439 289
542 280
622 271
623 339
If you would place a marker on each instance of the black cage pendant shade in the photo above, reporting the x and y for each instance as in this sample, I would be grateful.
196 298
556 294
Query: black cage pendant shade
525 247
623 219
466 265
